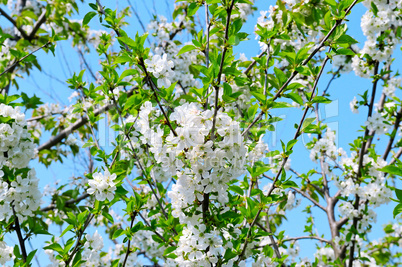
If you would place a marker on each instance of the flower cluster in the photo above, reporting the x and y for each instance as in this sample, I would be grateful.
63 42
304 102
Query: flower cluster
161 68
325 255
6 253
102 185
354 106
390 87
92 247
201 166
16 149
376 123
325 147
376 24
18 190
161 28
298 36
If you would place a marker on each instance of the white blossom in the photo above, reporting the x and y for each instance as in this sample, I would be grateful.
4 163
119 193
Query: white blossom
102 185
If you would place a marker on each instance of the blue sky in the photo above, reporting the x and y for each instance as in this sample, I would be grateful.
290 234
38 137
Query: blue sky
338 113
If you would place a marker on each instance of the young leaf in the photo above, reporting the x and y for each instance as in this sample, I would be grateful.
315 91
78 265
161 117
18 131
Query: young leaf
88 17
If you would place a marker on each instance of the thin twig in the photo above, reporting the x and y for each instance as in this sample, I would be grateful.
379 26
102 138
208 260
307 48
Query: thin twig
78 242
10 19
297 134
39 22
320 45
21 59
68 202
151 84
76 125
316 187
294 73
393 134
86 64
218 80
129 240
304 194
19 234
308 237
246 71
207 48
361 156
271 237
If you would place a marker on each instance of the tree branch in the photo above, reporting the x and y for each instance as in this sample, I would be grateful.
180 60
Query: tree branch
39 22
129 240
361 156
19 234
76 125
393 134
304 194
10 19
218 81
308 237
271 238
207 48
297 134
21 59
246 71
151 84
78 242
68 202
320 45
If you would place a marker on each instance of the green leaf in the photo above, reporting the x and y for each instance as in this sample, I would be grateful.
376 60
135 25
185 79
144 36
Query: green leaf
133 101
398 193
303 70
68 228
252 110
397 210
290 144
306 123
88 17
268 251
288 184
331 2
139 226
127 40
169 250
392 170
77 259
259 96
93 6
236 189
128 73
295 97
192 9
374 8
346 39
55 247
122 59
280 75
229 254
345 51
117 233
157 239
280 105
31 255
108 216
185 49
321 99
